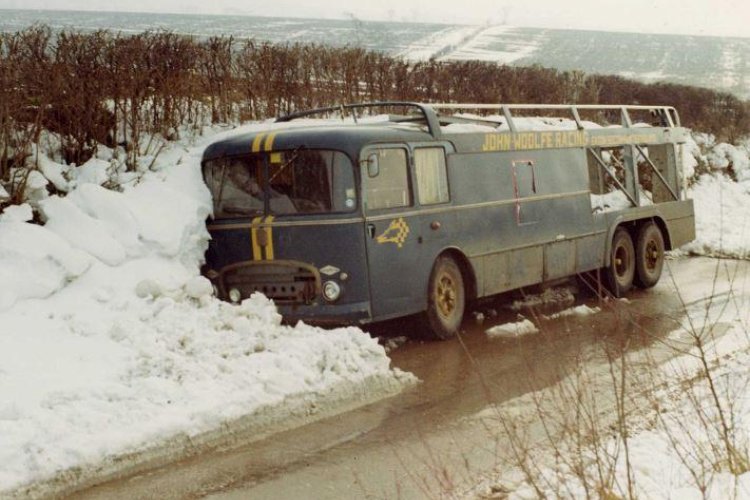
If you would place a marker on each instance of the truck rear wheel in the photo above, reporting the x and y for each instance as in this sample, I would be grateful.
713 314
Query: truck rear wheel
446 299
649 255
621 270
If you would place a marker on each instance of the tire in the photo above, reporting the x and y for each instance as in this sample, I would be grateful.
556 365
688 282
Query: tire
446 300
649 255
621 270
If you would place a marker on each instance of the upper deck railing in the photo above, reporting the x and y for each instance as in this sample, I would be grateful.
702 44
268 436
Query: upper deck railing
666 116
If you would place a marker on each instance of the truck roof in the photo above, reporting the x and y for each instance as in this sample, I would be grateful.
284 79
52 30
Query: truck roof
467 132
347 138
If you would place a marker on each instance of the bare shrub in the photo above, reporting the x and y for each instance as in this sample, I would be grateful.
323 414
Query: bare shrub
109 88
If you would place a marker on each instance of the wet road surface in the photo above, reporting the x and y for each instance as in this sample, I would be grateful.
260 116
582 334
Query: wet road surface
427 441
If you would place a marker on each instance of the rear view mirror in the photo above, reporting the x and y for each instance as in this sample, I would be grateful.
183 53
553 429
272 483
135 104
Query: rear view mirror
373 166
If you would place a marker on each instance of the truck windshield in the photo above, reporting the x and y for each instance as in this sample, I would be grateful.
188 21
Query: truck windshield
293 182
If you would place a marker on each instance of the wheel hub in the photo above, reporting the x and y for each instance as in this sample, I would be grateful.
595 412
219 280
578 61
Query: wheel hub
621 259
446 295
652 255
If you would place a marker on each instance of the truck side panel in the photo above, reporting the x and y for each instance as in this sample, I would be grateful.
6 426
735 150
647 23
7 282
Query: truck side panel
516 235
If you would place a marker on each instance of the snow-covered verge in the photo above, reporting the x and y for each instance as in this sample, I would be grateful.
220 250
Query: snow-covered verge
684 452
682 431
113 349
721 194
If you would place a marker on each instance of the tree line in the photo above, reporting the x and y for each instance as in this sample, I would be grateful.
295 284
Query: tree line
109 88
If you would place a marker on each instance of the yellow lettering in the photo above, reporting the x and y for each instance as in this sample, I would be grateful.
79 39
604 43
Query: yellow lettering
505 144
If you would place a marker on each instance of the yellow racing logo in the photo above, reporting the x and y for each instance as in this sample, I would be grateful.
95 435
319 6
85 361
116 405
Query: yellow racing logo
396 233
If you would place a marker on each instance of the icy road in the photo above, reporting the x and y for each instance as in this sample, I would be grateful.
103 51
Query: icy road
435 439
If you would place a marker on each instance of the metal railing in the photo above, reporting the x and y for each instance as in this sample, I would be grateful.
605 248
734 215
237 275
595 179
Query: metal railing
667 116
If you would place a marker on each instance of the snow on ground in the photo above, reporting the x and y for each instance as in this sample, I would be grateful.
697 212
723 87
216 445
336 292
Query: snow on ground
722 217
438 43
500 44
678 445
722 205
111 342
582 310
690 425
512 330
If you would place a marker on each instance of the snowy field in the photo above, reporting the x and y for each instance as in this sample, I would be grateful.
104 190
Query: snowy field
437 44
113 344
498 44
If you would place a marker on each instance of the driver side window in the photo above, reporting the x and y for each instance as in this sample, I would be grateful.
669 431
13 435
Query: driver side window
387 186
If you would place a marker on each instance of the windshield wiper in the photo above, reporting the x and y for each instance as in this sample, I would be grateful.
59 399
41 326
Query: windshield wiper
295 154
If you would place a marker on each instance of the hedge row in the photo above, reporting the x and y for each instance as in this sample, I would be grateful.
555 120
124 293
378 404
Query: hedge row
105 87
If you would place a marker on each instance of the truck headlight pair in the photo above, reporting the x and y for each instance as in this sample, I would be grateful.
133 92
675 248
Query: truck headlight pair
331 292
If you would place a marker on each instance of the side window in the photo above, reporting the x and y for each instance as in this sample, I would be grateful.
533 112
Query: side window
432 180
389 186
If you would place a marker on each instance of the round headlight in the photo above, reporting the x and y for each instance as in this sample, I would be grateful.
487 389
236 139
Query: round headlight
235 295
331 290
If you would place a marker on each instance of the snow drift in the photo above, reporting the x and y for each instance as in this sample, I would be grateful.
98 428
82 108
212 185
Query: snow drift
111 342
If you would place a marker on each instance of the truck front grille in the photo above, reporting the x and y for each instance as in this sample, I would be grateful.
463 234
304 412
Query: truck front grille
286 282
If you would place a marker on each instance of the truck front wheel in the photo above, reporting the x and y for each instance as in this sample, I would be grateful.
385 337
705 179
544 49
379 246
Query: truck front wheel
446 299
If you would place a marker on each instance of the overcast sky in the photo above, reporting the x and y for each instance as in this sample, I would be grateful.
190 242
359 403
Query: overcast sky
700 17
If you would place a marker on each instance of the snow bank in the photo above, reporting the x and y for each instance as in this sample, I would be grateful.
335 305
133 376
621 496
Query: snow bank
725 156
722 204
111 343
722 217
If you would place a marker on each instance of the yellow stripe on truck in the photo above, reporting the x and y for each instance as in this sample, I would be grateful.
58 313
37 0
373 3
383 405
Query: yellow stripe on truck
268 146
257 142
267 248
269 237
257 252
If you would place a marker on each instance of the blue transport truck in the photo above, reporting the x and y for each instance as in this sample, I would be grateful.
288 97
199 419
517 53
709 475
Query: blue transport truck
399 208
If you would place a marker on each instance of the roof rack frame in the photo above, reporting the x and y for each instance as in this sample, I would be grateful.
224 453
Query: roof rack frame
430 117
667 115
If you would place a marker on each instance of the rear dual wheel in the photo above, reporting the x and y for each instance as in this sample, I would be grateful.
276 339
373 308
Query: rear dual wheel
649 255
641 264
621 270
